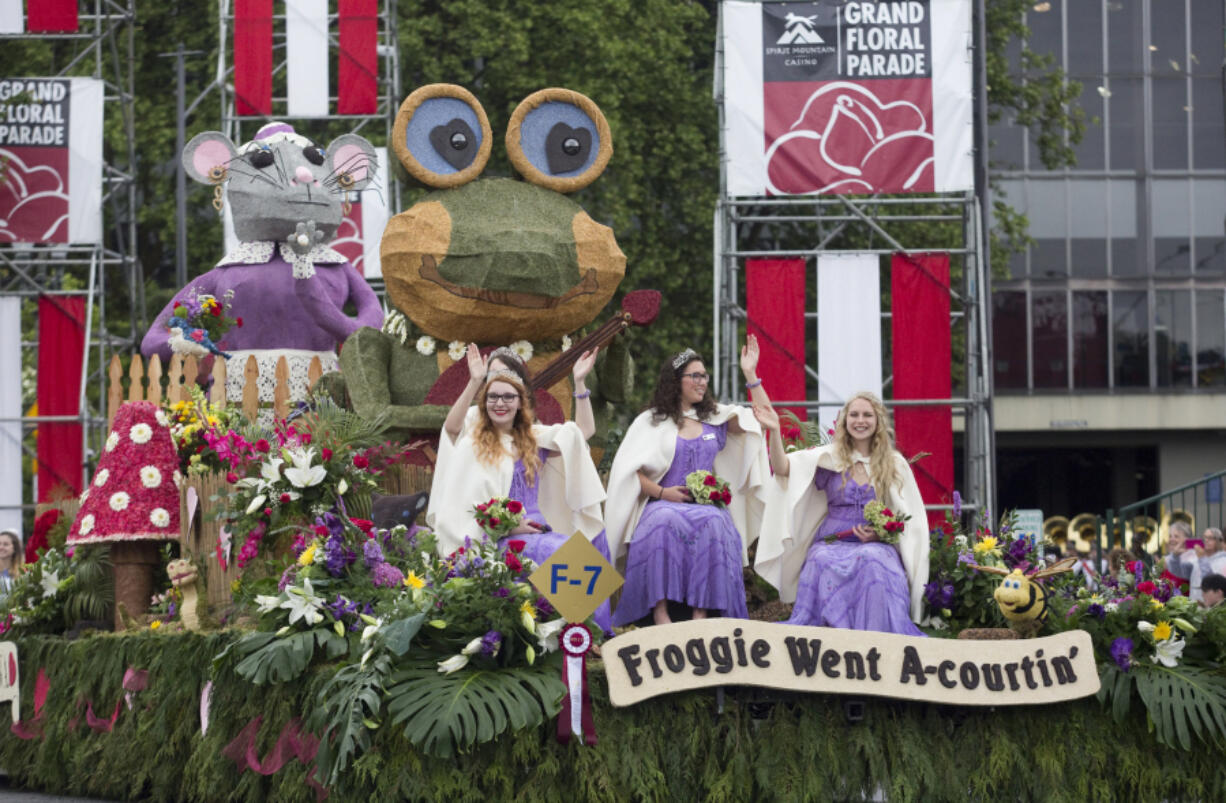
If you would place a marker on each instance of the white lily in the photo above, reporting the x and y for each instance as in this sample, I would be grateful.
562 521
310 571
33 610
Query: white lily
267 602
370 630
530 655
453 664
342 486
547 635
303 474
270 470
1145 627
366 657
473 647
303 604
525 618
1168 652
50 583
256 503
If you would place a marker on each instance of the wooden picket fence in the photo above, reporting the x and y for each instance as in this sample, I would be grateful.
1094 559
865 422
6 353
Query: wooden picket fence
157 385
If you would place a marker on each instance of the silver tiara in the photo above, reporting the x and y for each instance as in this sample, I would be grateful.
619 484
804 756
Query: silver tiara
684 357
506 355
503 375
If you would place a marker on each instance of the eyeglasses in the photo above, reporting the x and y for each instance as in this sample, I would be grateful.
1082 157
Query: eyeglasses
504 398
697 376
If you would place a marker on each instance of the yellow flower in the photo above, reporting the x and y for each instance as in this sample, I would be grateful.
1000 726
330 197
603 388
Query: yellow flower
1162 631
528 609
986 544
235 585
1157 604
154 625
413 581
308 555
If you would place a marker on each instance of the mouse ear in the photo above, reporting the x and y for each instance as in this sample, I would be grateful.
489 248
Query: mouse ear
351 162
559 139
207 157
442 136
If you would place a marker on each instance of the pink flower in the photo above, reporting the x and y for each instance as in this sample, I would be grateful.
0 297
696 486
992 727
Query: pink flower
285 499
327 454
262 445
1146 587
231 477
238 322
197 335
360 462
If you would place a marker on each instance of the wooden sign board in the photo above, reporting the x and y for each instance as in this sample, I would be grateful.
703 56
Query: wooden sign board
650 661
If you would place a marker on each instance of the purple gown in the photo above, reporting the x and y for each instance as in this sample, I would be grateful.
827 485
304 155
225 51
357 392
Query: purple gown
682 551
538 547
850 583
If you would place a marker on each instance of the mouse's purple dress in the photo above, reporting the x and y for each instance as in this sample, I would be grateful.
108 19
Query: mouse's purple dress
683 551
538 547
849 583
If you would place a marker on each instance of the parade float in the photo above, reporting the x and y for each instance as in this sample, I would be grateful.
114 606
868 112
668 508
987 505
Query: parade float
274 643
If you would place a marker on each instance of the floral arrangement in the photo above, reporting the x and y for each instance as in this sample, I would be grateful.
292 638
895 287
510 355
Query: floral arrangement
358 591
207 437
499 516
206 312
327 460
885 522
708 489
799 435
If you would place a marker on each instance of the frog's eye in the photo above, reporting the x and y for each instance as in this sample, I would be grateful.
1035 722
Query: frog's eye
260 157
559 139
314 154
442 136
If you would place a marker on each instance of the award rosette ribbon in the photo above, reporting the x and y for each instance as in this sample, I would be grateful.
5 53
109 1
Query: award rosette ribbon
576 716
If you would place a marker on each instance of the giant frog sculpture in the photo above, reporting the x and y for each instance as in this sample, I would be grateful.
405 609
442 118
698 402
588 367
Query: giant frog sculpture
493 261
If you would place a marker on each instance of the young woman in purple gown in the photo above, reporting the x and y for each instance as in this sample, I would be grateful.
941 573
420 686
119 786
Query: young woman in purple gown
818 549
503 452
672 548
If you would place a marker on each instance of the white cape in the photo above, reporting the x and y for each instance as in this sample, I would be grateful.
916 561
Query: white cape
649 446
569 490
796 507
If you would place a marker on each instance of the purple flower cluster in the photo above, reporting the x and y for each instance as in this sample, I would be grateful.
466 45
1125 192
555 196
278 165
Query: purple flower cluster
939 593
957 505
1018 552
337 556
490 643
385 575
287 577
1163 591
1121 653
544 607
372 553
1097 611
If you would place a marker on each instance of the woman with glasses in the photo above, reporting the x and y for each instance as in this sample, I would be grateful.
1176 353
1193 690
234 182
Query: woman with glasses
673 549
504 452
818 549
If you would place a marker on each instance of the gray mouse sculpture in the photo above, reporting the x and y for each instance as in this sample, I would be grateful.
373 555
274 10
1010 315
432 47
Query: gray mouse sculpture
285 285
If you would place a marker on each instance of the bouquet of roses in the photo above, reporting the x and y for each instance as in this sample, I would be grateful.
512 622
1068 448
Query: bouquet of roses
708 489
499 516
207 312
888 524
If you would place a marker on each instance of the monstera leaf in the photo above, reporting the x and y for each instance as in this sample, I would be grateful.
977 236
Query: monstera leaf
1182 701
444 714
269 659
346 715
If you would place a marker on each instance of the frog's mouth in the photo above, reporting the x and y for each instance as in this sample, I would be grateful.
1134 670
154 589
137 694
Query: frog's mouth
508 298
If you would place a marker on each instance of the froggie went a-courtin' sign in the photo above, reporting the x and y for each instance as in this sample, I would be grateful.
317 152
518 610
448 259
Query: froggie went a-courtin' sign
735 652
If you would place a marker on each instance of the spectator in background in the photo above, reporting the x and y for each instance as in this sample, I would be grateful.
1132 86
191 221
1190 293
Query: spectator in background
1212 557
1139 552
1084 567
1213 589
10 560
1116 560
1180 566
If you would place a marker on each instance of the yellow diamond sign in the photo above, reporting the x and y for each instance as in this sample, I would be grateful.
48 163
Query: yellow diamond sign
576 579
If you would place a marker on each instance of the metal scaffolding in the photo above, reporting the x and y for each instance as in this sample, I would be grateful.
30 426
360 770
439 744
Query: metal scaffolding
102 48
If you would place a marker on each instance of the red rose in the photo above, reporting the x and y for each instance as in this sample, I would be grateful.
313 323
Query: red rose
262 445
889 514
710 480
516 545
1146 587
727 497
327 454
513 562
360 462
306 438
483 508
267 511
364 525
514 506
231 478
216 312
1134 567
285 499
320 530
238 322
495 521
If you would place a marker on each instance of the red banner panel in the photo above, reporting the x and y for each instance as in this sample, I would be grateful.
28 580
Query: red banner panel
356 89
921 348
775 307
61 350
52 16
253 57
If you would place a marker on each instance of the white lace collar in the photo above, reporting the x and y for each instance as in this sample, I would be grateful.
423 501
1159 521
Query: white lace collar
257 252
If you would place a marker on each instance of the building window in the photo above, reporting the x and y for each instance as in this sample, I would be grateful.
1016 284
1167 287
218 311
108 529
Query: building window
1131 335
1009 348
1091 357
1049 328
1210 339
1173 338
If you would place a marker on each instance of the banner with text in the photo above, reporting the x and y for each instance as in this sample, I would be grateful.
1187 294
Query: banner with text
51 160
847 97
650 661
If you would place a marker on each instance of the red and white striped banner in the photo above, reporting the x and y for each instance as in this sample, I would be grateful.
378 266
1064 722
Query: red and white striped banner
308 60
